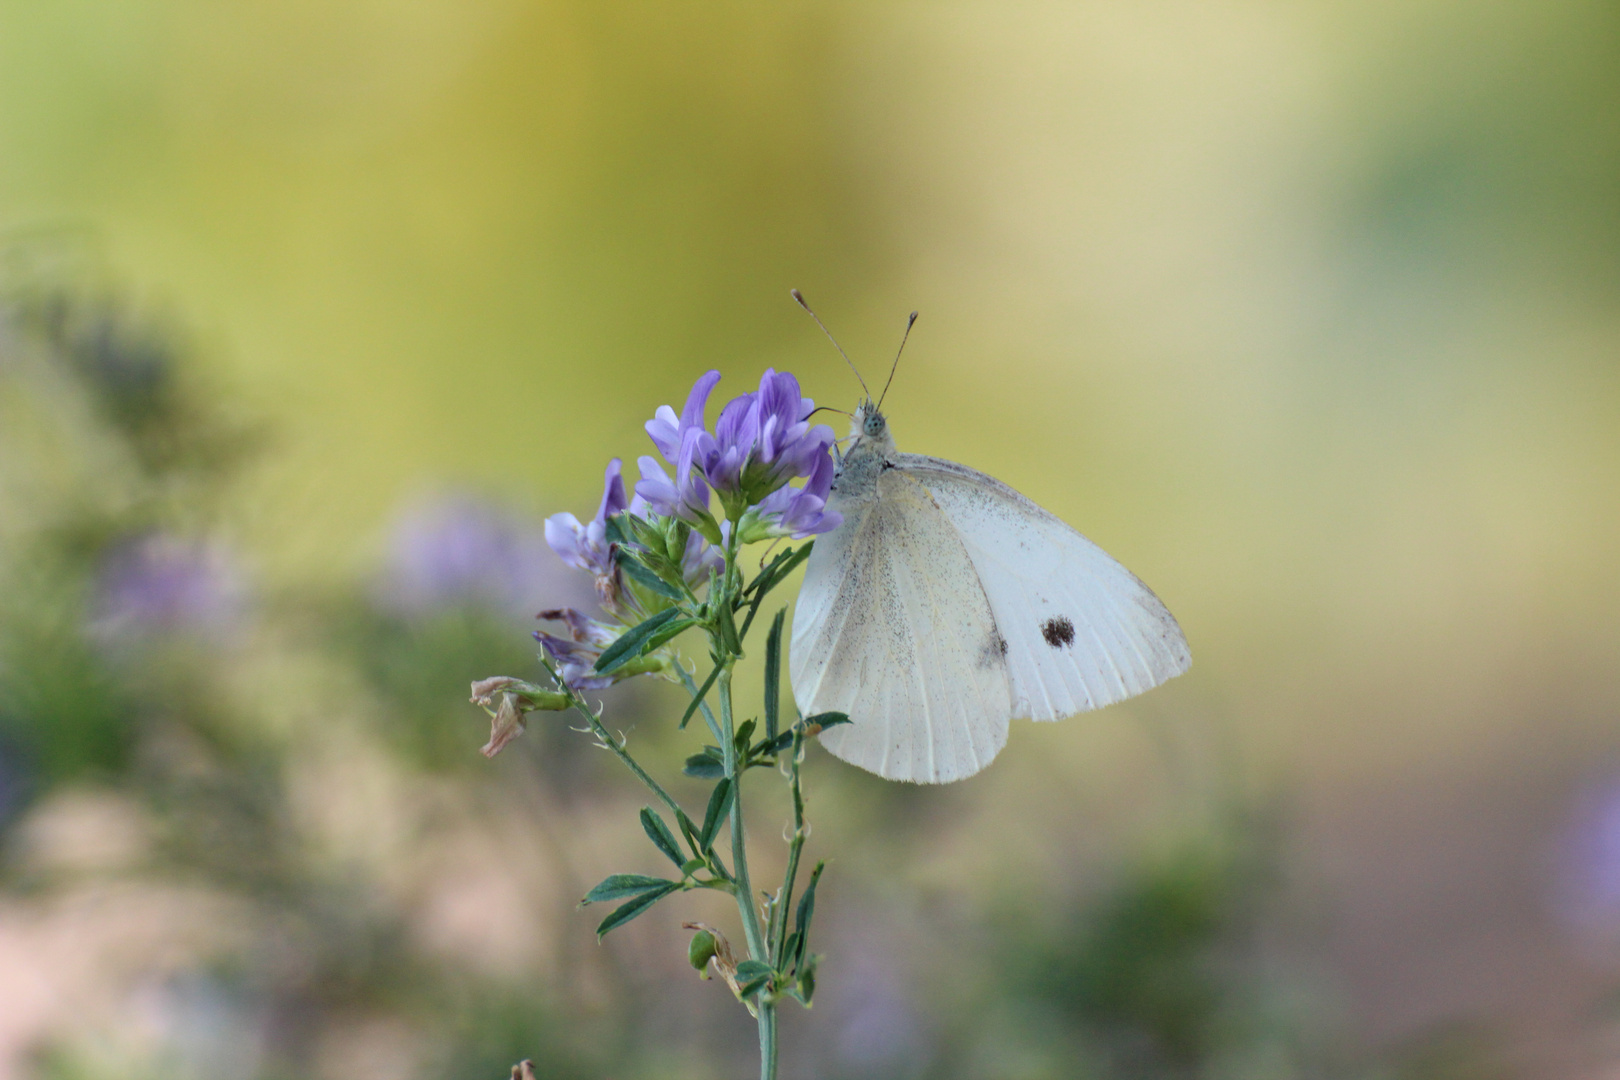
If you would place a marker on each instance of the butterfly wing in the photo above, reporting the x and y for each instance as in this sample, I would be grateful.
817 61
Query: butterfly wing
1081 631
893 627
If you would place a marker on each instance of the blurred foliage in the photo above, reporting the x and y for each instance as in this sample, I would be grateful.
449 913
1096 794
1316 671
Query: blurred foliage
146 703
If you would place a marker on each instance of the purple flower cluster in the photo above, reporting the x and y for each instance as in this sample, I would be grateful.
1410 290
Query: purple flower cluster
575 655
585 546
761 442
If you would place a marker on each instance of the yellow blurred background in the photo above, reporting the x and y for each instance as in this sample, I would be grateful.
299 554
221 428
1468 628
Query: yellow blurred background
1308 313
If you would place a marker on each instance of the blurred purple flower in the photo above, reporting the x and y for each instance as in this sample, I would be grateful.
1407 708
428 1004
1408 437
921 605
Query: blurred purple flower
876 1028
1587 882
162 584
761 441
454 550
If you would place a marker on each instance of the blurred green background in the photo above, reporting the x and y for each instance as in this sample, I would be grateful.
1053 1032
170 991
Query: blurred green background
1309 313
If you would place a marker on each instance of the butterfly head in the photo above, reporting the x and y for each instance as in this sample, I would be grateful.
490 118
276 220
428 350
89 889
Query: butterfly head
870 428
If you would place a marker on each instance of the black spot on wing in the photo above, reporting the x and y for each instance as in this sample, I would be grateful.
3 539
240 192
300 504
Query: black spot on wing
1058 632
995 650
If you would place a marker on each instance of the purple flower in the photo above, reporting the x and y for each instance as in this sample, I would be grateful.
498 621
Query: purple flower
585 546
666 430
576 655
701 556
687 495
761 441
765 439
795 511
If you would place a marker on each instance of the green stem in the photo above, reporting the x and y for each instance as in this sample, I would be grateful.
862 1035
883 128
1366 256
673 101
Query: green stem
703 706
623 755
767 1041
784 898
739 845
757 948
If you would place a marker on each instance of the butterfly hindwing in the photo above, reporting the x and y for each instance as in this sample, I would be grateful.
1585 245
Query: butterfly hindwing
894 628
1081 631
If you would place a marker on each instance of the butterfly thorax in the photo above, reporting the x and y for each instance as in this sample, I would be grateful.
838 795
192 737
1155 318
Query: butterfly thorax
867 457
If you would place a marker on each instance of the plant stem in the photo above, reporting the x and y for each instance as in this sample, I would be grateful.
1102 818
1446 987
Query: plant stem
623 755
767 1040
784 898
757 948
739 849
703 706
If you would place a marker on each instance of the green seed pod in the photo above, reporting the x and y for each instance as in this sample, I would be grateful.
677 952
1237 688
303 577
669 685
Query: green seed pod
701 951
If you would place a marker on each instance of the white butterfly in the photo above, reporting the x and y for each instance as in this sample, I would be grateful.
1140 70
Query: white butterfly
947 604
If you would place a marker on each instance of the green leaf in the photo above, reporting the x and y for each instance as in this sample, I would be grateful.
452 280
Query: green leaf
705 766
668 633
645 533
807 981
785 739
643 575
625 912
807 911
618 886
728 630
752 977
719 803
692 866
773 674
676 533
779 568
615 529
689 830
753 969
826 720
697 699
633 642
743 733
660 835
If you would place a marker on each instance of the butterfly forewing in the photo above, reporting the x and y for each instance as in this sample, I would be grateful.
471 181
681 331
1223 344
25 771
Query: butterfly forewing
1081 631
894 628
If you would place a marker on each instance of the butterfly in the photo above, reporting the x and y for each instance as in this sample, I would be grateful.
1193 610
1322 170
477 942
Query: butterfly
947 605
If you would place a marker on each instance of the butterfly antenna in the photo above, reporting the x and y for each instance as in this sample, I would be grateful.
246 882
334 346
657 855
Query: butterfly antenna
799 296
894 366
827 408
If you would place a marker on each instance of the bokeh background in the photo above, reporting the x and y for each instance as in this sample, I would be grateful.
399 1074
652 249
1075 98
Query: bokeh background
1308 312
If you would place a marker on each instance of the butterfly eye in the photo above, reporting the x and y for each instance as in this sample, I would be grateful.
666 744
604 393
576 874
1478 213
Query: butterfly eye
874 424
